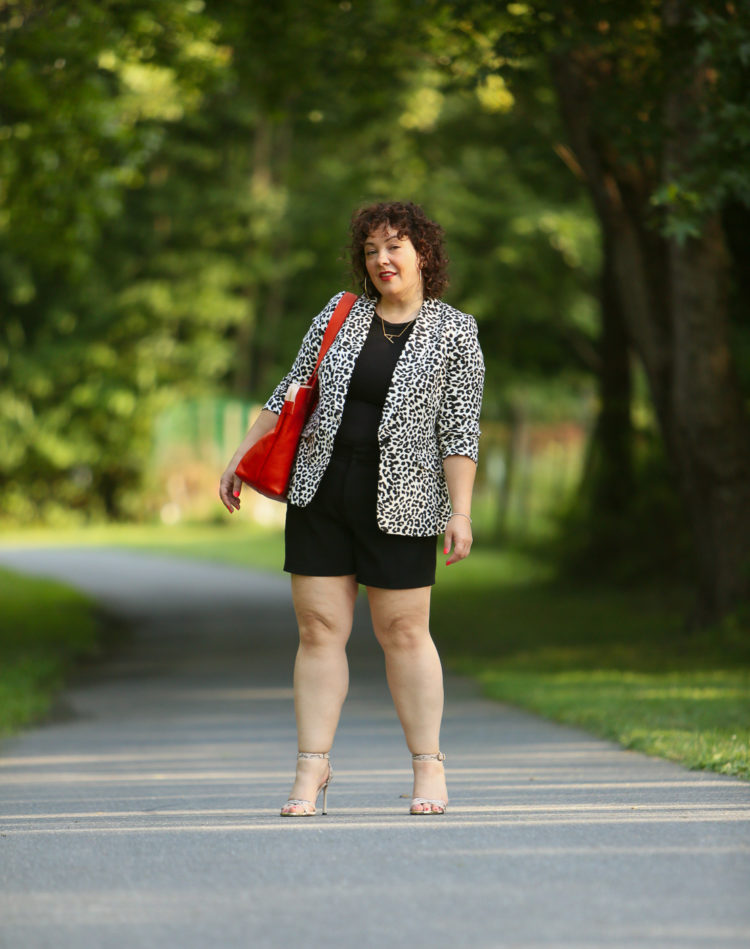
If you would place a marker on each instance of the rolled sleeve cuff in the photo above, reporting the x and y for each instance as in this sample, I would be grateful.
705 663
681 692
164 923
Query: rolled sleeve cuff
460 444
275 402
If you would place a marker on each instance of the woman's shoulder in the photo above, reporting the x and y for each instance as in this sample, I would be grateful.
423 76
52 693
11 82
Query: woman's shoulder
323 316
333 302
452 318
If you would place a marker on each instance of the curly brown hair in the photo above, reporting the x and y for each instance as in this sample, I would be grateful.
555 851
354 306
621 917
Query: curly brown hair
408 220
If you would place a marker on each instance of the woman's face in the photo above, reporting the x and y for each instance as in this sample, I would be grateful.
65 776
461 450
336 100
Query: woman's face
392 264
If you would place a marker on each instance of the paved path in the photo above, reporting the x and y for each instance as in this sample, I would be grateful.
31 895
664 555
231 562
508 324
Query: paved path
146 816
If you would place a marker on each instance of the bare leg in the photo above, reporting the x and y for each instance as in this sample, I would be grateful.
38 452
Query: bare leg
325 610
400 619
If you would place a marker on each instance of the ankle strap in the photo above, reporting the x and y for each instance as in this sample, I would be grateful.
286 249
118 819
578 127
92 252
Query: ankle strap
438 756
312 754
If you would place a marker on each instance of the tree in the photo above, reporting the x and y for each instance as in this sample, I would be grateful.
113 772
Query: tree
654 98
89 93
672 282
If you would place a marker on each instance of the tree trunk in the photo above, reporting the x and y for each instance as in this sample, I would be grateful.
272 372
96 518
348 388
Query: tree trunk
712 428
258 338
673 304
267 343
609 480
270 168
246 340
516 449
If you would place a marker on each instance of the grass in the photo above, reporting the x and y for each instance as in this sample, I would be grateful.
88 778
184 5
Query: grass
697 718
44 627
236 541
617 663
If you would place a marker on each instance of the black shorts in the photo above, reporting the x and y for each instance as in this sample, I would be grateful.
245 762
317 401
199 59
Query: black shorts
337 533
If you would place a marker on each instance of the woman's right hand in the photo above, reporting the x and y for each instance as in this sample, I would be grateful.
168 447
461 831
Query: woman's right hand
229 484
229 490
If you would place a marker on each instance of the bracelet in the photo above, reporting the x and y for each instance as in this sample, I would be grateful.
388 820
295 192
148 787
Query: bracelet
459 514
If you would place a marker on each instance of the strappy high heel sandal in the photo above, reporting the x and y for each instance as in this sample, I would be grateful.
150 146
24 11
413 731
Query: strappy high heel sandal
308 807
436 806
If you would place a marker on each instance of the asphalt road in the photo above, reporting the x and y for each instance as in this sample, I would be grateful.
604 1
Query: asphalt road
146 814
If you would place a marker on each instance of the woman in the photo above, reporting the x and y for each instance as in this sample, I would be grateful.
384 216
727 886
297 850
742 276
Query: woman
386 463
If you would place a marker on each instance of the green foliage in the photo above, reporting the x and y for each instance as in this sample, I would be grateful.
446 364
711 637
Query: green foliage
88 99
44 626
175 202
635 57
656 101
717 171
648 538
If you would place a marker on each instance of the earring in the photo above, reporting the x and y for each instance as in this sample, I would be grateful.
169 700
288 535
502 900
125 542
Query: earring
366 291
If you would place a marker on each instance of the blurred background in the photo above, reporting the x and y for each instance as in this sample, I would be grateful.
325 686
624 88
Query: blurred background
176 182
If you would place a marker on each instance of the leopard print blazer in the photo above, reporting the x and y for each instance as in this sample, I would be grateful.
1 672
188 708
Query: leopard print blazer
431 411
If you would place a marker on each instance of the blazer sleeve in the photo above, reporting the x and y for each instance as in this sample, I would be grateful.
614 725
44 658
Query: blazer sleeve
306 357
457 423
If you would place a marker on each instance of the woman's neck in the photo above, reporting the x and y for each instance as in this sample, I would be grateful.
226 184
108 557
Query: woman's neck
399 311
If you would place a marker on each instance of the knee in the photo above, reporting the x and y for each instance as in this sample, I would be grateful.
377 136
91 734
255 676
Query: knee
317 630
404 633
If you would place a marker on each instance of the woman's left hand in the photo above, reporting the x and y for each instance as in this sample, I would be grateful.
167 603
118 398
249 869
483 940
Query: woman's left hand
458 536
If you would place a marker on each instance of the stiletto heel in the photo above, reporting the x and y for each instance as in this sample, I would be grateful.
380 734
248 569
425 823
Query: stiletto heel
436 806
308 807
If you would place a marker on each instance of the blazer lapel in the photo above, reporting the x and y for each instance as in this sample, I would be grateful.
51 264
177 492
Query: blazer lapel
425 330
349 341
352 335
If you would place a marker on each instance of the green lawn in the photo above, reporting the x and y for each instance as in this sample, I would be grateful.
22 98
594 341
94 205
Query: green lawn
617 663
697 718
44 627
234 541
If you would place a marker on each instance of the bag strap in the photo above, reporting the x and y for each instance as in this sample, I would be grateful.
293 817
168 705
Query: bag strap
335 323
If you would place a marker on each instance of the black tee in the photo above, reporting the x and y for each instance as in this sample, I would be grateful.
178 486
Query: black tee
370 382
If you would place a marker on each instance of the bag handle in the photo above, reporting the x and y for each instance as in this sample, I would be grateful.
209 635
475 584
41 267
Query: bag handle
335 323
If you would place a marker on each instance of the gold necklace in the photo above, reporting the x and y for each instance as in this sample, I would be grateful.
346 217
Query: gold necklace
391 336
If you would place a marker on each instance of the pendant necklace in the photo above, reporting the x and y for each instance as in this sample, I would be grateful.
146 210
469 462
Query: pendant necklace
391 336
